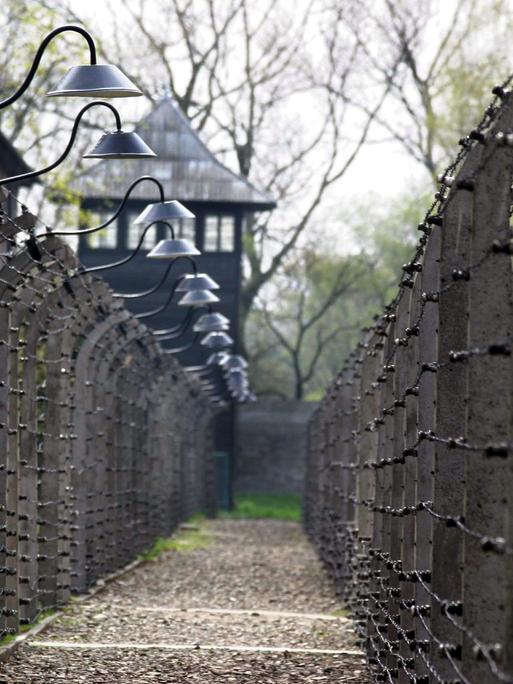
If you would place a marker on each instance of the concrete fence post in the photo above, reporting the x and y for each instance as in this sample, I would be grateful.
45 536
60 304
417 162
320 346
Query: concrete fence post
429 564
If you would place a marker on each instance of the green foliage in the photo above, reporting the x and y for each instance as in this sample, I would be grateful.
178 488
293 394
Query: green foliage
477 56
292 326
197 518
275 506
188 539
379 238
341 612
451 54
9 638
23 25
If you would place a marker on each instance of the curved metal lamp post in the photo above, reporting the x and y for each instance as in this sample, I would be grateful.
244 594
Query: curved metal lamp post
121 205
117 145
194 298
232 368
176 330
170 249
185 347
93 80
125 260
216 320
206 323
146 293
212 361
106 80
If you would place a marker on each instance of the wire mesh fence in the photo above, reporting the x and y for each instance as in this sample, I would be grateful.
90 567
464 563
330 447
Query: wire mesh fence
104 439
409 493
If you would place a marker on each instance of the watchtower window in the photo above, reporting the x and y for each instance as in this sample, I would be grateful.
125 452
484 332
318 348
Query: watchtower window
219 234
134 235
185 228
107 238
163 170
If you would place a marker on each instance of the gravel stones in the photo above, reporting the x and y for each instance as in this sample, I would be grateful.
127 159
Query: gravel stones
252 607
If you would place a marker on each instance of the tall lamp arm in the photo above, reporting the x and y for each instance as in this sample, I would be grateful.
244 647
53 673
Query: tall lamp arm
145 293
115 264
177 330
177 350
37 59
154 312
87 231
40 172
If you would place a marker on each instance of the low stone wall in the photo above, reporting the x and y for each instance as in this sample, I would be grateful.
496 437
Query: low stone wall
270 449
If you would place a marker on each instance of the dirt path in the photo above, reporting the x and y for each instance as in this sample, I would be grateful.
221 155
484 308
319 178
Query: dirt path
251 607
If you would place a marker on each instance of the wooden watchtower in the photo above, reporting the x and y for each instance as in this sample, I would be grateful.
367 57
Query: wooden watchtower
221 201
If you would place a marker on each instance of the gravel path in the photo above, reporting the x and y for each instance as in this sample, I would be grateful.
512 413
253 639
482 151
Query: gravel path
251 607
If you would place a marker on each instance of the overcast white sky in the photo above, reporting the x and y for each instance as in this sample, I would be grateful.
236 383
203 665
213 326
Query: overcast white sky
382 169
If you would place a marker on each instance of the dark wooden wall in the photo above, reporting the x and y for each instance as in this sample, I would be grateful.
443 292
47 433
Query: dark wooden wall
142 273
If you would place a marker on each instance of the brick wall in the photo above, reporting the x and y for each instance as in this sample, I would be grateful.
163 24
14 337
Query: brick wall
271 447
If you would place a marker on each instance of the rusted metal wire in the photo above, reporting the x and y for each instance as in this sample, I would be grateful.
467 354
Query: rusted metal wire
104 440
409 490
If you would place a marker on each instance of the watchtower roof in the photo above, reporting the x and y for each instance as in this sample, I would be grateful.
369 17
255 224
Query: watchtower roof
11 162
184 165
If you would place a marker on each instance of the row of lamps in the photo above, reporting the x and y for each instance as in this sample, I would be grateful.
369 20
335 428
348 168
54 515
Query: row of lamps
224 375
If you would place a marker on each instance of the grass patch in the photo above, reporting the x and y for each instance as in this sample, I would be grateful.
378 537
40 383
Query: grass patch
9 638
197 518
277 506
341 612
183 540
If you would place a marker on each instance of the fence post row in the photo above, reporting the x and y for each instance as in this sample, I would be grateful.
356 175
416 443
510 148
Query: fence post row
100 432
409 491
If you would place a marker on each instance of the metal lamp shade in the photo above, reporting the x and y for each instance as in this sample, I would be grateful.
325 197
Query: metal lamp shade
95 80
216 359
217 340
234 362
235 374
211 322
238 384
198 298
163 211
120 145
197 281
172 249
239 392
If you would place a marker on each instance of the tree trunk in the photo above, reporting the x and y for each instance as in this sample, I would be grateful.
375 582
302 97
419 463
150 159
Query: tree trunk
299 389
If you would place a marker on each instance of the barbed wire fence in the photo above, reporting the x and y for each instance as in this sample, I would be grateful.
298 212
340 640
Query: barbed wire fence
409 494
105 440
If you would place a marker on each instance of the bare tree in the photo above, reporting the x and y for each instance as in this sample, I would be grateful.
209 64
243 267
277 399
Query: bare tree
303 311
31 122
449 54
38 126
243 74
289 98
309 318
